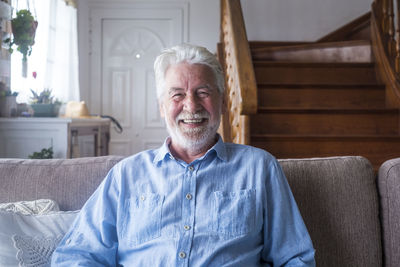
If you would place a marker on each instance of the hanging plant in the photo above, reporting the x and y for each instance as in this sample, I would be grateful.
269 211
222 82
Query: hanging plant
23 30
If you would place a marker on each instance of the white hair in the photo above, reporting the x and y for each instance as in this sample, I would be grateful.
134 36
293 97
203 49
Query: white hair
190 54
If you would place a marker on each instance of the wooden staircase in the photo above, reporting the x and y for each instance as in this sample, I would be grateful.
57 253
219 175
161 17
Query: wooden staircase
313 99
316 103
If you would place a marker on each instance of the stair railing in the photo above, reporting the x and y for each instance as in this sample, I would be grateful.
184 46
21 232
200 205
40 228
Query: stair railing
240 83
385 35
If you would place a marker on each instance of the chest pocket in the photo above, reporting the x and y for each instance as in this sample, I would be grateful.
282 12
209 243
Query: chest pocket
234 213
143 218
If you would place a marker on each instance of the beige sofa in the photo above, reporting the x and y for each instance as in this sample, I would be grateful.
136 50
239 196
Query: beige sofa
353 217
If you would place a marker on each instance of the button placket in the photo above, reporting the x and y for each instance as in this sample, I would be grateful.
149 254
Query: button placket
189 197
188 211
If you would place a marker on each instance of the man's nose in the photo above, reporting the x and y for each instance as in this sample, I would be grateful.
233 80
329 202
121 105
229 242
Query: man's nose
191 103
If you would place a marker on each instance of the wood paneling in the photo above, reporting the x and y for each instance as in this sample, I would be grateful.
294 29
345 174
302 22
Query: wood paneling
326 122
312 73
375 149
321 96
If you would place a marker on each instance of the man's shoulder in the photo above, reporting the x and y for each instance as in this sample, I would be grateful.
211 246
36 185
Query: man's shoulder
140 158
246 150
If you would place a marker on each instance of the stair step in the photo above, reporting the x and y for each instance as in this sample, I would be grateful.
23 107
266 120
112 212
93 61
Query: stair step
263 44
325 121
314 73
315 96
376 149
346 51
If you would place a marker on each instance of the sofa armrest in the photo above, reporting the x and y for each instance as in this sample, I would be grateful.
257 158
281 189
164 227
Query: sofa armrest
389 193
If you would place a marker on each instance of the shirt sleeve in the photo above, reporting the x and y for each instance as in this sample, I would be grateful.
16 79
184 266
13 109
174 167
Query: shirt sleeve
92 239
286 239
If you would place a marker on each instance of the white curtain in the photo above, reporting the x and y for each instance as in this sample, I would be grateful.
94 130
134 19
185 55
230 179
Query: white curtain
54 56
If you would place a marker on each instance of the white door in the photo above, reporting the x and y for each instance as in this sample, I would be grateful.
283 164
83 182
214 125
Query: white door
130 40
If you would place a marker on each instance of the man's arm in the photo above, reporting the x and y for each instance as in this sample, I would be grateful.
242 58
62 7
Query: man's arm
92 239
286 239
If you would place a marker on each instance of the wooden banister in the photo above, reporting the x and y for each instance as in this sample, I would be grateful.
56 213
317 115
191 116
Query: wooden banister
240 83
397 39
385 37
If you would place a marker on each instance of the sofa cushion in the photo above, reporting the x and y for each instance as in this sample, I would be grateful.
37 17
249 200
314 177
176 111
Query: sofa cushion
389 193
40 206
69 182
338 200
29 240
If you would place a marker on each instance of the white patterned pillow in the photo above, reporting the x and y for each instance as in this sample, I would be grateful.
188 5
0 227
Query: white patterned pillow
40 206
29 240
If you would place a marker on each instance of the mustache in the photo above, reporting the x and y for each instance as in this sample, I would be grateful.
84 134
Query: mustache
184 115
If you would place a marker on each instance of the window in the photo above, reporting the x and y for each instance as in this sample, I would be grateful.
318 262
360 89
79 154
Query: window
54 56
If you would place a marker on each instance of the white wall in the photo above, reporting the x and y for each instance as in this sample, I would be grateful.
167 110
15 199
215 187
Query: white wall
299 20
204 23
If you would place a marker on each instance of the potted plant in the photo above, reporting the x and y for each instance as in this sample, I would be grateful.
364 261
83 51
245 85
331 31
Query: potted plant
23 30
8 101
45 153
43 104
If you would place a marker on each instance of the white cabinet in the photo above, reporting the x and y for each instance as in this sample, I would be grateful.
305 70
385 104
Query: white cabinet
20 137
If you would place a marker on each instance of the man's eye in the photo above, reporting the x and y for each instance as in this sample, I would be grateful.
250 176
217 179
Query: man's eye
203 94
177 95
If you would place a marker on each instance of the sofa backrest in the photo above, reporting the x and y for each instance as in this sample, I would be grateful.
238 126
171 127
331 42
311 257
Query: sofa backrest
338 200
389 193
69 182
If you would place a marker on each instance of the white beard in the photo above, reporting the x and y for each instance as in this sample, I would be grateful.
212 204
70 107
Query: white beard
195 139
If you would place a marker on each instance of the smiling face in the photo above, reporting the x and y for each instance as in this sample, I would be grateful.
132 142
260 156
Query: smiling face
191 105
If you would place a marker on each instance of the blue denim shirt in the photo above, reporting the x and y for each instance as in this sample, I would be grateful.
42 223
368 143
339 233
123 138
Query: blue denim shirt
231 207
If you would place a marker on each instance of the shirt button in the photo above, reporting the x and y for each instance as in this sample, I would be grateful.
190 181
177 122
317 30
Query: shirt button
186 227
142 198
191 168
182 255
68 241
188 196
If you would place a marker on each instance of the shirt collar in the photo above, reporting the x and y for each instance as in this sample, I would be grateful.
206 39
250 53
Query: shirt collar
164 152
220 149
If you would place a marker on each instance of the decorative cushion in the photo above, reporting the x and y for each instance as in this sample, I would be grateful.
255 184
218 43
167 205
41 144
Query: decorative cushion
40 206
29 240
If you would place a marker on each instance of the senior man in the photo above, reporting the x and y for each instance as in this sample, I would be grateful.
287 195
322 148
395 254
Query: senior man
195 201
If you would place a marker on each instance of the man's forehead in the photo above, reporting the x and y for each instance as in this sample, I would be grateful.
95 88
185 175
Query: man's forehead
189 67
197 73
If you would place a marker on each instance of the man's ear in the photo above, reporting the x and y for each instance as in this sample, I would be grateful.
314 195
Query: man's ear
161 107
